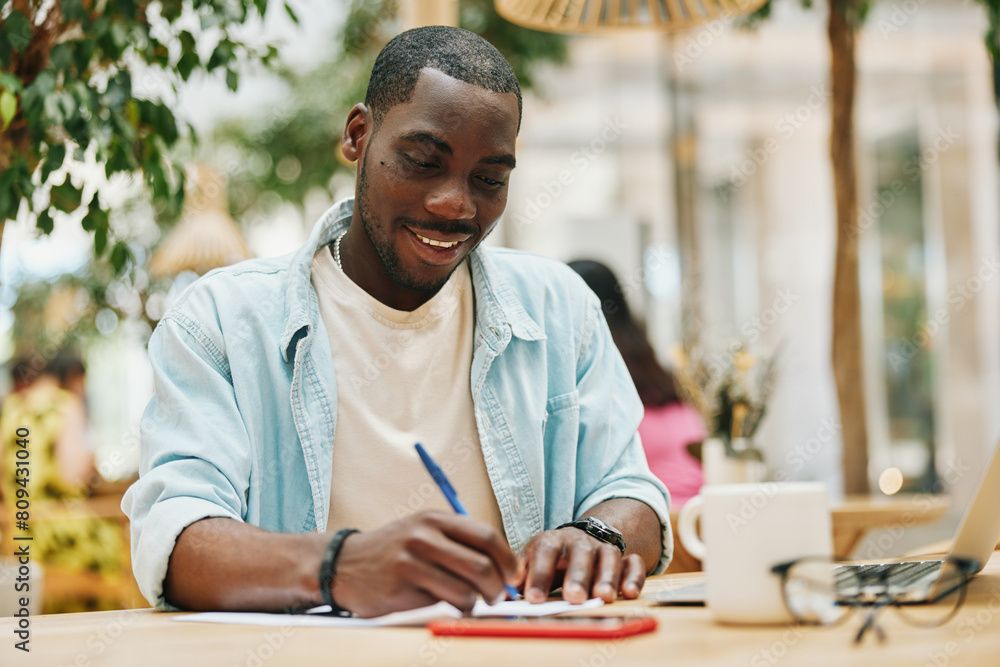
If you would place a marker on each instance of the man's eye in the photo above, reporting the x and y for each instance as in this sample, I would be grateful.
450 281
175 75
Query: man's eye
420 164
492 182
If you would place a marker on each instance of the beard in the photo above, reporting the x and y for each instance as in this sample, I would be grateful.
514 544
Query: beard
379 234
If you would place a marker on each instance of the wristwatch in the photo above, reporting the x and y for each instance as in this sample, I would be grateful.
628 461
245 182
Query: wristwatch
598 530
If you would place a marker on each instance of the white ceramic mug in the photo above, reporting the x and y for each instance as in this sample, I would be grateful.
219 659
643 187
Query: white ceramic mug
747 529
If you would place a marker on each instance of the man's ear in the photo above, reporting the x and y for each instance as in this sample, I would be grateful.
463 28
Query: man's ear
357 132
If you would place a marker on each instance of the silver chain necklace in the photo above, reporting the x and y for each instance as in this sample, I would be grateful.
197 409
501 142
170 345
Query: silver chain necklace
336 251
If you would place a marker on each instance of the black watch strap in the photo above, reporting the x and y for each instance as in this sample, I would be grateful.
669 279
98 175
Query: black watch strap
598 530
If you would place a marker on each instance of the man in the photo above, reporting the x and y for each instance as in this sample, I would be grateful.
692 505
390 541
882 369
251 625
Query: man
290 392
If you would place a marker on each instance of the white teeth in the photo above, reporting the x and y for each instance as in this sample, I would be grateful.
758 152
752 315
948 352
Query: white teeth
439 244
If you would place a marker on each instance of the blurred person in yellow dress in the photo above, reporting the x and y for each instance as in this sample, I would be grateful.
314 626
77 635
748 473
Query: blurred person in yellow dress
48 401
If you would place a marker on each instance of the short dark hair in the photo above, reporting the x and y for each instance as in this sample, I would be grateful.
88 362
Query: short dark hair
458 53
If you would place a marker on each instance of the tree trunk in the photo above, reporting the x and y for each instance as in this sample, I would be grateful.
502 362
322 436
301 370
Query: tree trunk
848 368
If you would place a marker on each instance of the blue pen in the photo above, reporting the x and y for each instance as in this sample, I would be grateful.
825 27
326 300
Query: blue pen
449 493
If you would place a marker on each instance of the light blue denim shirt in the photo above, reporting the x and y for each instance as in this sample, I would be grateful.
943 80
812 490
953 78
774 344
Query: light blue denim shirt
244 410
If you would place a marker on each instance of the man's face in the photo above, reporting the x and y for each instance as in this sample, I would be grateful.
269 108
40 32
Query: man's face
432 185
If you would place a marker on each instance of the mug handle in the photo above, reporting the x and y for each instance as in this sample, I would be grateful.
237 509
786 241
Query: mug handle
686 527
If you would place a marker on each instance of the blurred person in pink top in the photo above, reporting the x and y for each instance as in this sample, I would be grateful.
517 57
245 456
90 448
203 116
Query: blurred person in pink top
670 424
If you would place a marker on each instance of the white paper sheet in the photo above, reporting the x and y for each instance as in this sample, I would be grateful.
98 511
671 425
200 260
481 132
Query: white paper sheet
413 617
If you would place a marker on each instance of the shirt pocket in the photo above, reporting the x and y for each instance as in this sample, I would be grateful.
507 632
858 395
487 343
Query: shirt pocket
561 421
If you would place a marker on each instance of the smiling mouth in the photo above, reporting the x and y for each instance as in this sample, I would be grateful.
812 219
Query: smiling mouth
436 244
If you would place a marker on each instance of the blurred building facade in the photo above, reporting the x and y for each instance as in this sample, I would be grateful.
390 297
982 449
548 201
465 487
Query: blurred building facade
596 179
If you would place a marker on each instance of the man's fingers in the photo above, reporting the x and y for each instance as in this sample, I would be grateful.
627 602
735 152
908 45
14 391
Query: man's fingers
477 569
437 583
608 573
582 558
633 576
485 539
543 557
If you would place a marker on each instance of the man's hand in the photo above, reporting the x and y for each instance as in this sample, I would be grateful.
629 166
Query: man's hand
587 567
421 559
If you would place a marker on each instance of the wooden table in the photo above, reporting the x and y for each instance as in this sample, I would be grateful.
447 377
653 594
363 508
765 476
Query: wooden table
686 636
852 519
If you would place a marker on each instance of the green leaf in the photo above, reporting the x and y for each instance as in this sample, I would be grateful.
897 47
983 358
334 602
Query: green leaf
73 11
9 196
61 56
132 113
83 53
171 9
53 160
44 221
222 55
119 90
18 29
53 110
8 107
291 13
10 82
65 196
119 36
232 80
96 221
121 257
100 240
186 64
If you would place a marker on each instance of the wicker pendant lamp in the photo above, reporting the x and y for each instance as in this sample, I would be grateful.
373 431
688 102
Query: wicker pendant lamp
205 237
582 16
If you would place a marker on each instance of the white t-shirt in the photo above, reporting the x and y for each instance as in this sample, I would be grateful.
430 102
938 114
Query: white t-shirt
402 377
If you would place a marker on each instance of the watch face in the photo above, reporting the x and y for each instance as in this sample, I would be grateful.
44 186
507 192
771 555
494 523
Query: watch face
602 531
598 530
603 527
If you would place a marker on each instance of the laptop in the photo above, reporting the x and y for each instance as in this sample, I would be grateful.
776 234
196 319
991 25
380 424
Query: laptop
912 579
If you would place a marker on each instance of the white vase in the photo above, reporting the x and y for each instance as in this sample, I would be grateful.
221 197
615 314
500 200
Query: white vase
722 469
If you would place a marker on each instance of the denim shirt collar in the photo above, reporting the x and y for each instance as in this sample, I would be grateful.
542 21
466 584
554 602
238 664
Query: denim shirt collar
497 307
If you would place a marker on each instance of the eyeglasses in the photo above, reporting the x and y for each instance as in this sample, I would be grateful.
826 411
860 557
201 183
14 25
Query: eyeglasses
825 591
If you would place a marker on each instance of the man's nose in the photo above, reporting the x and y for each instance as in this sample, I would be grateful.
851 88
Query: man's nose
451 200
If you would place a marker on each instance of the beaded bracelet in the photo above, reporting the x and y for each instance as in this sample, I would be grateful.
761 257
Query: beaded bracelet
326 570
